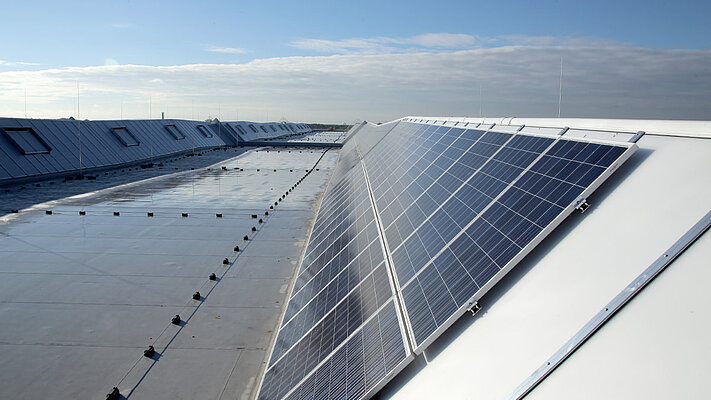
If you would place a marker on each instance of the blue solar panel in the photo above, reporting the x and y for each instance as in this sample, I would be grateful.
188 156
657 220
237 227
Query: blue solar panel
457 209
460 236
343 282
359 367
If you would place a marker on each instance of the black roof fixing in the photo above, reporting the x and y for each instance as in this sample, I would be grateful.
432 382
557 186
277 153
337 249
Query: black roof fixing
149 352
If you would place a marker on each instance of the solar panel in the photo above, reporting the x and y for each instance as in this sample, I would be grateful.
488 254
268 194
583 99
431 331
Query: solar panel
418 225
457 220
341 306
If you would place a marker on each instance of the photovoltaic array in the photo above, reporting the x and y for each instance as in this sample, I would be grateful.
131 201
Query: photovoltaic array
413 232
341 334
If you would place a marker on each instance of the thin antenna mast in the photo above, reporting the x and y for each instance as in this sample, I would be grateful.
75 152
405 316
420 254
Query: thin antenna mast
79 129
560 86
480 104
150 135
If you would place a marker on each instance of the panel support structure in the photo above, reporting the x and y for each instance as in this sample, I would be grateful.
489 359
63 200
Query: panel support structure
612 307
399 301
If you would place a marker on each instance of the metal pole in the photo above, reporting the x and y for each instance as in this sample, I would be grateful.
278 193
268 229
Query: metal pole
560 86
79 129
480 104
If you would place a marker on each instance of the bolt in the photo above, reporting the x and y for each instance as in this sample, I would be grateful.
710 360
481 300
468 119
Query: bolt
82 212
254 229
150 214
175 320
245 237
185 215
218 215
236 249
196 296
116 213
226 261
213 276
48 212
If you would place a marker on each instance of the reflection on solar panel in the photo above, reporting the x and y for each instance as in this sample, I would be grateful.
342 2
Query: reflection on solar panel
426 221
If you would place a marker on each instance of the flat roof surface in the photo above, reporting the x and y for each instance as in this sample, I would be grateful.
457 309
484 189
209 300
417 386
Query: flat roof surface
81 296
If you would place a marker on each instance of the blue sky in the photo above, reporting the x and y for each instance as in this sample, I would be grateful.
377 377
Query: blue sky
52 43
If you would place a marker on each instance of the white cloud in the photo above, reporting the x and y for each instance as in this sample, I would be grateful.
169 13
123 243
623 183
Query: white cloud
442 40
226 50
439 42
4 63
379 45
606 82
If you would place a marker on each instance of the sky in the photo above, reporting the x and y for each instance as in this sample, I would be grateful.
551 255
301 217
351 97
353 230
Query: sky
328 61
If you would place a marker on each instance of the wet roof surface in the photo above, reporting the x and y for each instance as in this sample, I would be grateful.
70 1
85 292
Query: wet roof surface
22 195
324 136
81 296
